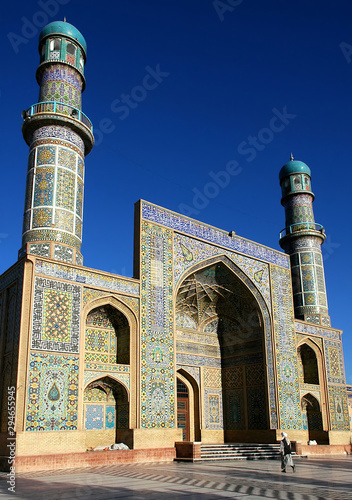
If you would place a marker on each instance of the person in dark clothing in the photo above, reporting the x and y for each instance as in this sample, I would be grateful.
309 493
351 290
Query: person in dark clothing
285 452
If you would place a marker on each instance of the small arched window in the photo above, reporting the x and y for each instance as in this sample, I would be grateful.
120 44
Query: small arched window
55 44
81 63
71 49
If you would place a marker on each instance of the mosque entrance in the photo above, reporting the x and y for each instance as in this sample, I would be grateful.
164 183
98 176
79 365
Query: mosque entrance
220 341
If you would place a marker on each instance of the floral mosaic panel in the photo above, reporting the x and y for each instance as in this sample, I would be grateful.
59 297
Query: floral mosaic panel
56 316
59 134
334 362
43 188
213 413
157 369
287 366
52 392
338 407
65 191
94 417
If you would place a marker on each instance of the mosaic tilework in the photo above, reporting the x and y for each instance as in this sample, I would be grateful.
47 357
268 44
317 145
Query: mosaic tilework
123 378
191 227
287 368
110 417
94 417
79 198
66 158
52 392
65 191
60 92
90 294
334 362
43 188
62 73
212 377
58 132
46 155
188 251
41 249
327 333
29 189
157 375
41 217
43 234
86 277
192 370
338 408
56 316
63 253
80 167
213 413
306 390
79 259
64 220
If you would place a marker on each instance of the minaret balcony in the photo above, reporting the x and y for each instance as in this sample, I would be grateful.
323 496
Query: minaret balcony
303 227
52 112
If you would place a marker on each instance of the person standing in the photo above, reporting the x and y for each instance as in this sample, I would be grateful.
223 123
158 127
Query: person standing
285 452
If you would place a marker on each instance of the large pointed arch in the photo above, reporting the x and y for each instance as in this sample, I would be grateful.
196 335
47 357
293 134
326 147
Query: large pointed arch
131 371
188 290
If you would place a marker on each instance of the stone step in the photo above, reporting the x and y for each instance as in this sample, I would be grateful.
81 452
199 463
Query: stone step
240 451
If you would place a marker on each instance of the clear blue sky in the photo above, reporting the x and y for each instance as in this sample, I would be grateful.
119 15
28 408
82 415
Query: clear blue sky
224 72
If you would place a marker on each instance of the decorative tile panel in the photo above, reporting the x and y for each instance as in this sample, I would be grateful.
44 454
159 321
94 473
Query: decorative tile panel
157 372
56 316
334 362
287 367
213 413
338 408
52 392
210 234
318 330
86 277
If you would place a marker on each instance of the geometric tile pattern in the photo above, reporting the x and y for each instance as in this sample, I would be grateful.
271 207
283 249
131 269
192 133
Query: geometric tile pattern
287 368
123 378
210 234
56 316
328 333
334 362
212 378
56 134
52 392
157 366
94 418
83 276
338 408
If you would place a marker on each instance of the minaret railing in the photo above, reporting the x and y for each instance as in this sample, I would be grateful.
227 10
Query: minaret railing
302 226
59 107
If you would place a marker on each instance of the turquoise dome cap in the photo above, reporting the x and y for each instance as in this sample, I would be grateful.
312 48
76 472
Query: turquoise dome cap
294 167
63 28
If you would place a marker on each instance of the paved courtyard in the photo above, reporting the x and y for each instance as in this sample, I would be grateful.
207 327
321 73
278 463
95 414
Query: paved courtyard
314 479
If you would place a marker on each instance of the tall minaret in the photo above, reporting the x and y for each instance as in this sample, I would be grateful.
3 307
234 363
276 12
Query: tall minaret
302 239
59 135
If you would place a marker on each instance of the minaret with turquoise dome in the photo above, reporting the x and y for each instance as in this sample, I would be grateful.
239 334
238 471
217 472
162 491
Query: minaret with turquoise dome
59 135
302 239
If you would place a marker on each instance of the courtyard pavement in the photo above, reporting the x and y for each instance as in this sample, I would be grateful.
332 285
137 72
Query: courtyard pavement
314 479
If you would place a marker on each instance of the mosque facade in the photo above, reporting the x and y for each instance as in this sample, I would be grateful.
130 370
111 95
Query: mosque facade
216 338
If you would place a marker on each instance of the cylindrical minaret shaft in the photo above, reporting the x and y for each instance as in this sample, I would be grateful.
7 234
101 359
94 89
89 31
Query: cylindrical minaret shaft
302 239
59 136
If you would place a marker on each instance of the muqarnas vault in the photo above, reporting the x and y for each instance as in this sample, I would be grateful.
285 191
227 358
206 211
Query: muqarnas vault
215 339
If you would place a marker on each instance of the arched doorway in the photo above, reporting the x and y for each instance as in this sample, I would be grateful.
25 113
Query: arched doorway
220 331
107 336
312 415
106 406
309 364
